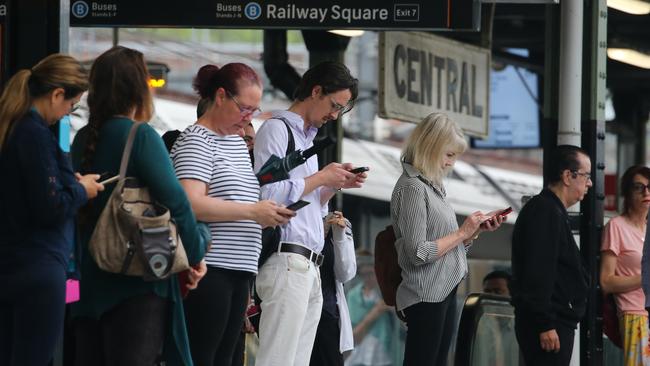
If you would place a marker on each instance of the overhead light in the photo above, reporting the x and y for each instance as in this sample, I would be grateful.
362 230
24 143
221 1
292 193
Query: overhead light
347 32
629 56
636 7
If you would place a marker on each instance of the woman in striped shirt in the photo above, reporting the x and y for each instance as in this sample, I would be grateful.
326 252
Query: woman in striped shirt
431 247
213 165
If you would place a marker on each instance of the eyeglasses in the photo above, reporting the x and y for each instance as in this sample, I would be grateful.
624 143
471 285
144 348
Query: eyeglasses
340 108
243 110
640 187
586 175
74 107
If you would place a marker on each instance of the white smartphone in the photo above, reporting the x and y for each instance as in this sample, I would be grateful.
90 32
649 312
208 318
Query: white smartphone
110 180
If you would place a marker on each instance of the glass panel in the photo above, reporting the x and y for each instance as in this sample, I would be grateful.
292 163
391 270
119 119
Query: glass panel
495 343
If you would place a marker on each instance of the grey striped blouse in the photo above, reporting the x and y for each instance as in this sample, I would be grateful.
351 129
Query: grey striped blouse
420 215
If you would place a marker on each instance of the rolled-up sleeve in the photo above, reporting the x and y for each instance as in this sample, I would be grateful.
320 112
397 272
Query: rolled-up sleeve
412 222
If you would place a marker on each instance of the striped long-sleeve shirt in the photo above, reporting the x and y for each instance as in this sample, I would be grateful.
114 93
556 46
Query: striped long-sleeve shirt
421 216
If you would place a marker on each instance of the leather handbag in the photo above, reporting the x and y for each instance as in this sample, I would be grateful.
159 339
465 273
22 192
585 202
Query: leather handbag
135 235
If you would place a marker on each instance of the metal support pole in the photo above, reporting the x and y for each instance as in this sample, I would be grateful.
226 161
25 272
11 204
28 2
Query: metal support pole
570 72
593 141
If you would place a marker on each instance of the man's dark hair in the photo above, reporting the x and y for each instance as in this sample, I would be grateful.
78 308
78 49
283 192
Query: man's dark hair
498 274
331 76
564 157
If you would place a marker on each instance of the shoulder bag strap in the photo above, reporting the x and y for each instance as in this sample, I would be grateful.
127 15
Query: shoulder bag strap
291 144
127 151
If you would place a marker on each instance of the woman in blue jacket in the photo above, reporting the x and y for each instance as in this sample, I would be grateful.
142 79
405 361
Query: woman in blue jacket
39 196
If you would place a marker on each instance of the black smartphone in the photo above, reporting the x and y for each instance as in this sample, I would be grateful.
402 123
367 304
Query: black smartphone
297 205
359 170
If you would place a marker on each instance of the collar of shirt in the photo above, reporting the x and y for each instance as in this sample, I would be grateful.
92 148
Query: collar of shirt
413 172
553 197
297 124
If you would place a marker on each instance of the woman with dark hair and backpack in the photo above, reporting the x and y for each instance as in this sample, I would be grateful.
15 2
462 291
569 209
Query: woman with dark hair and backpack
123 320
212 162
39 196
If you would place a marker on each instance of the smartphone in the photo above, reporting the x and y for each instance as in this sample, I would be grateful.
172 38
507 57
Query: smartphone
503 213
109 180
359 170
297 205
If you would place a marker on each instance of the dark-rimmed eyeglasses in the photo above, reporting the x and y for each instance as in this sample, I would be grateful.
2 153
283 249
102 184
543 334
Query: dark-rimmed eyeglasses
586 175
640 187
244 110
74 107
340 108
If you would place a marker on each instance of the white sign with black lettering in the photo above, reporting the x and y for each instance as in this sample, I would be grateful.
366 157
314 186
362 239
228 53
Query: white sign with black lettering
421 74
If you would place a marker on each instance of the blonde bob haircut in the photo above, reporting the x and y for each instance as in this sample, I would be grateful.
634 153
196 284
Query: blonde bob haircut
433 137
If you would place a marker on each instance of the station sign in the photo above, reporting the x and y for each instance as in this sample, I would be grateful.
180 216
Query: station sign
421 73
297 14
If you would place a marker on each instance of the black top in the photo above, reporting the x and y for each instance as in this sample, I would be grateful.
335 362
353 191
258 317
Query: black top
328 279
549 283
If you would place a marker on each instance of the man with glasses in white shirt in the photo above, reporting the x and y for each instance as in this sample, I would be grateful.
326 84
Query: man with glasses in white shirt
288 283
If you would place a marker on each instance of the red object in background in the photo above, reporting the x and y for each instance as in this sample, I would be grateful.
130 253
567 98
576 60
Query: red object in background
611 187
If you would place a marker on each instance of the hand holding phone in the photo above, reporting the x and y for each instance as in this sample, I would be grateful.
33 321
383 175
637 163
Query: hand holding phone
297 205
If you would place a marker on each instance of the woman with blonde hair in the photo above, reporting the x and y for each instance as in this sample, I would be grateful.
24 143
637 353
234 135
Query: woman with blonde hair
123 320
431 248
39 196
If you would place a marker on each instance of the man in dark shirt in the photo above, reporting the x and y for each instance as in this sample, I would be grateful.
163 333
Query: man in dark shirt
549 284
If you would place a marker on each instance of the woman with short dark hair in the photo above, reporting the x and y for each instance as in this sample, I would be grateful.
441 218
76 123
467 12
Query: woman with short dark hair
620 265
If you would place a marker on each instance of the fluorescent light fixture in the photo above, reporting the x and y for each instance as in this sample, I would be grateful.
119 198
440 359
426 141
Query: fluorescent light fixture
629 56
347 32
636 7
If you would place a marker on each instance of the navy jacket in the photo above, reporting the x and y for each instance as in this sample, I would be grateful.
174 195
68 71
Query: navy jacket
39 196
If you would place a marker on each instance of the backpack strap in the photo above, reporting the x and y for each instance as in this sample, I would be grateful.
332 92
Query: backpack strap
291 143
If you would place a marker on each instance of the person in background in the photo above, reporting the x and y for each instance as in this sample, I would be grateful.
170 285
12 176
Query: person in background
497 283
334 333
289 281
39 197
620 265
371 318
549 283
213 165
239 355
431 248
123 320
248 134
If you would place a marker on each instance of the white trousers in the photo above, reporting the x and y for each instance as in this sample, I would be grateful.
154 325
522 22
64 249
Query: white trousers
290 288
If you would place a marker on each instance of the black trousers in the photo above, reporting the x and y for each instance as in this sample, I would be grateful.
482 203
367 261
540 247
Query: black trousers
326 351
32 306
531 349
130 334
430 326
215 314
